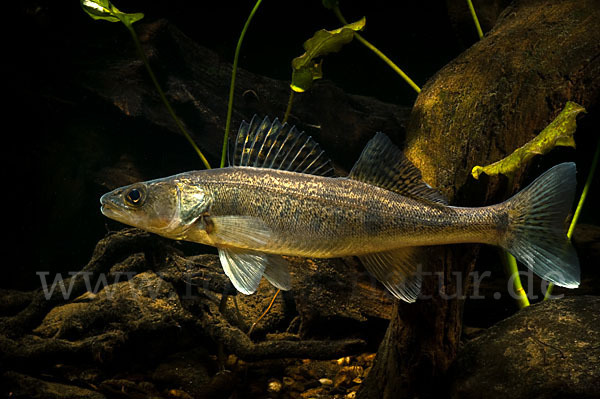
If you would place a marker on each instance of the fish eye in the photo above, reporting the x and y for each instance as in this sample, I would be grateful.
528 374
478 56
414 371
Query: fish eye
134 196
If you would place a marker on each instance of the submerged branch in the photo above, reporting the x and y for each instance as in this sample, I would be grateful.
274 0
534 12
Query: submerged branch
238 343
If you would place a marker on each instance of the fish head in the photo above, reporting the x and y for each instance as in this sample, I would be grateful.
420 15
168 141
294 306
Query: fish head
168 207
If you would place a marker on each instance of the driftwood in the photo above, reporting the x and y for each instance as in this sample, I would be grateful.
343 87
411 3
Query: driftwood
134 304
239 343
140 298
489 101
108 252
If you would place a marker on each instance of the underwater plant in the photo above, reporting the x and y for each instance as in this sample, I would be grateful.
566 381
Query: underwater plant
475 19
305 68
334 6
104 10
232 84
558 133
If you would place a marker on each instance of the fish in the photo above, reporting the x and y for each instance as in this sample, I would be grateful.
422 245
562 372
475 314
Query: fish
279 197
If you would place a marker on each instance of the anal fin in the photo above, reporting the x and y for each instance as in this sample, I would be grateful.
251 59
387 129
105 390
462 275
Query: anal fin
399 270
245 269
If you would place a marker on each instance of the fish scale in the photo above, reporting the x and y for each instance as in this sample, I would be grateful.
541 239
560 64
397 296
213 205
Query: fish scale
333 217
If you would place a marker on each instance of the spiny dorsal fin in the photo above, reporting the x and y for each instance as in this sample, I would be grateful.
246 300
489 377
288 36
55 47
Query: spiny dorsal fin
263 144
384 165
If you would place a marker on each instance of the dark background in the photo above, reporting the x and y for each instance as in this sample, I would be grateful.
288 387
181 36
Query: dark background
53 214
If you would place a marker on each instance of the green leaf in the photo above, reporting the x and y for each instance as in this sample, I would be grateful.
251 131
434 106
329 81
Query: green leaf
558 133
305 69
302 78
105 10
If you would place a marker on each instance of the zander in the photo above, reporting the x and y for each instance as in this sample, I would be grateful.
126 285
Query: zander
279 197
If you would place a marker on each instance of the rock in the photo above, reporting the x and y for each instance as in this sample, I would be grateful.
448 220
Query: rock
325 381
548 350
245 311
348 375
274 385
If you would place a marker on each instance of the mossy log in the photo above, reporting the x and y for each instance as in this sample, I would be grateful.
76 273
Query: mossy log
487 102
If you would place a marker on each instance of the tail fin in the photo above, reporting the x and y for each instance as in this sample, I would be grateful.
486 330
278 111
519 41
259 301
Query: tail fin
536 232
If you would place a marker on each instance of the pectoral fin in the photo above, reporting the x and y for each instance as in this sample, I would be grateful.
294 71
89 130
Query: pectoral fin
398 270
245 269
238 231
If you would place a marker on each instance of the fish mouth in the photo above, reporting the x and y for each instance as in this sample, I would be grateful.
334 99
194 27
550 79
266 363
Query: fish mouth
108 208
105 209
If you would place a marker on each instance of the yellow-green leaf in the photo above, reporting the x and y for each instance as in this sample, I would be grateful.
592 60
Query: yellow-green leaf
304 67
302 78
558 133
105 10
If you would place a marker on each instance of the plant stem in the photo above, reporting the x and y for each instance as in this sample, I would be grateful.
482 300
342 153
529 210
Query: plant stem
513 271
582 199
475 19
361 39
232 85
264 313
289 107
162 94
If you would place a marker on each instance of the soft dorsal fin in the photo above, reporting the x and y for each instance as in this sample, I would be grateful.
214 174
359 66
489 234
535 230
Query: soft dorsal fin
384 165
263 144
